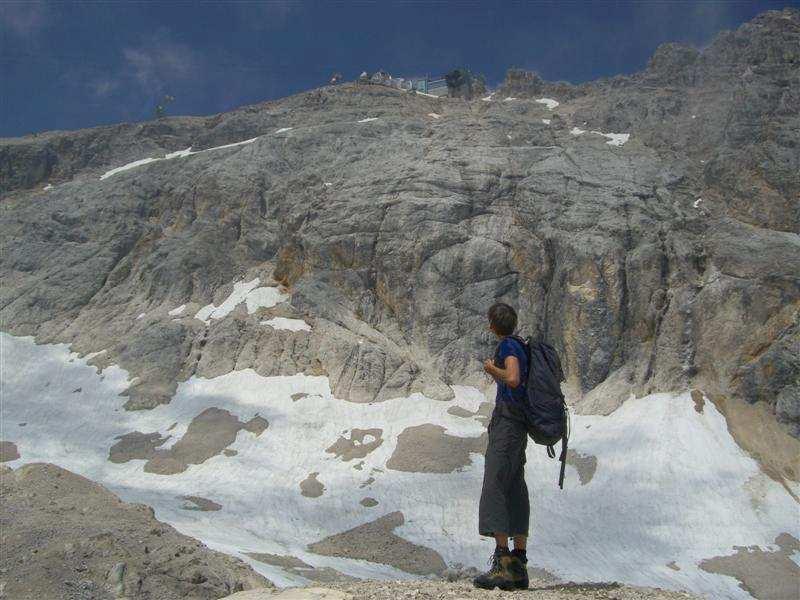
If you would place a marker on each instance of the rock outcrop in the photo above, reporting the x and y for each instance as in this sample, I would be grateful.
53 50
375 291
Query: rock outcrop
669 259
64 536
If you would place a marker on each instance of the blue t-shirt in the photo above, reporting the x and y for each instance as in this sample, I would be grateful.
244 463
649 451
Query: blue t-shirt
511 347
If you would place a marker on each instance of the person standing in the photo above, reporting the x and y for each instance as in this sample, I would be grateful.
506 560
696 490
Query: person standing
504 509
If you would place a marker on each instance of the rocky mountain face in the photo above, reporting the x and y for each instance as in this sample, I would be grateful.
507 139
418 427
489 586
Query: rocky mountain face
390 222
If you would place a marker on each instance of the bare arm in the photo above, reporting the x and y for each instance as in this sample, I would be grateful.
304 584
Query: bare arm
508 375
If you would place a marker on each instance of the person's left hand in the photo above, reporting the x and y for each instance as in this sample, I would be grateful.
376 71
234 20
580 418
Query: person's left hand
488 366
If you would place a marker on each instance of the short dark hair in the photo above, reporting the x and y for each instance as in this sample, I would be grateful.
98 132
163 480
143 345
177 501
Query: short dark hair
503 318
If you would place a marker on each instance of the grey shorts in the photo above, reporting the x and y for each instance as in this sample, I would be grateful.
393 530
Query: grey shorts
504 505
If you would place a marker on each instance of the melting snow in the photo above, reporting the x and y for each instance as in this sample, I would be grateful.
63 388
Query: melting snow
255 297
546 121
177 311
179 153
171 155
434 115
130 165
250 141
697 203
649 492
368 119
549 102
327 184
489 97
282 129
615 139
290 324
508 99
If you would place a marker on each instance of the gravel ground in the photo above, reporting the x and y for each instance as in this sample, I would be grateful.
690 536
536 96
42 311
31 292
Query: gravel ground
444 590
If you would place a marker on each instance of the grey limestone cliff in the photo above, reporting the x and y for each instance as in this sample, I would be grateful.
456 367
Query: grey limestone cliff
667 261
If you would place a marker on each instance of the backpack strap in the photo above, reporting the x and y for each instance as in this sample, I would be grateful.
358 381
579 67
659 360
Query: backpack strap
563 459
551 451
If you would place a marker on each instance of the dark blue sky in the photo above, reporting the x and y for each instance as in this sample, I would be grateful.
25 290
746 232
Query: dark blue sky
73 65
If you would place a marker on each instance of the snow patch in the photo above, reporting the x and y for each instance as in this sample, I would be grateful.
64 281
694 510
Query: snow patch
49 186
489 97
615 139
434 115
428 95
177 311
290 324
282 129
92 355
368 119
546 121
508 99
254 297
179 153
128 167
170 156
697 203
141 316
250 141
549 102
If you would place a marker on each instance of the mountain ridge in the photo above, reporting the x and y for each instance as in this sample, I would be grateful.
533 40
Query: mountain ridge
650 267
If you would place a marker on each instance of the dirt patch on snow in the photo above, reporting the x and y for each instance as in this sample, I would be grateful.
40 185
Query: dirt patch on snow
135 446
764 574
460 411
585 464
299 567
482 415
376 542
199 503
8 451
360 443
208 435
699 400
310 487
428 449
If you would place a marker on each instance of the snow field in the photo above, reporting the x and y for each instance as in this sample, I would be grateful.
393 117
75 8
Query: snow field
670 483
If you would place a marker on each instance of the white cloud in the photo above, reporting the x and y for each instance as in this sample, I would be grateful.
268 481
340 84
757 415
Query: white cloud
159 62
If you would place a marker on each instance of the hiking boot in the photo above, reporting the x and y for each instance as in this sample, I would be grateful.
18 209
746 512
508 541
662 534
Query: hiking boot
519 571
499 575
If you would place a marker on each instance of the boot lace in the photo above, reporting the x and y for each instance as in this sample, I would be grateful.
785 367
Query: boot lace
494 563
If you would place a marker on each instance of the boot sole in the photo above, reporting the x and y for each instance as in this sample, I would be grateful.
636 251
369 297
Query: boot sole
506 587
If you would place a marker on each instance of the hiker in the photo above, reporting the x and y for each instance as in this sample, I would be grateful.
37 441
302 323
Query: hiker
504 508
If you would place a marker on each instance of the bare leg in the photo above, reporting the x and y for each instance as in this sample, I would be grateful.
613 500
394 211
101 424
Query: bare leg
520 541
501 539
